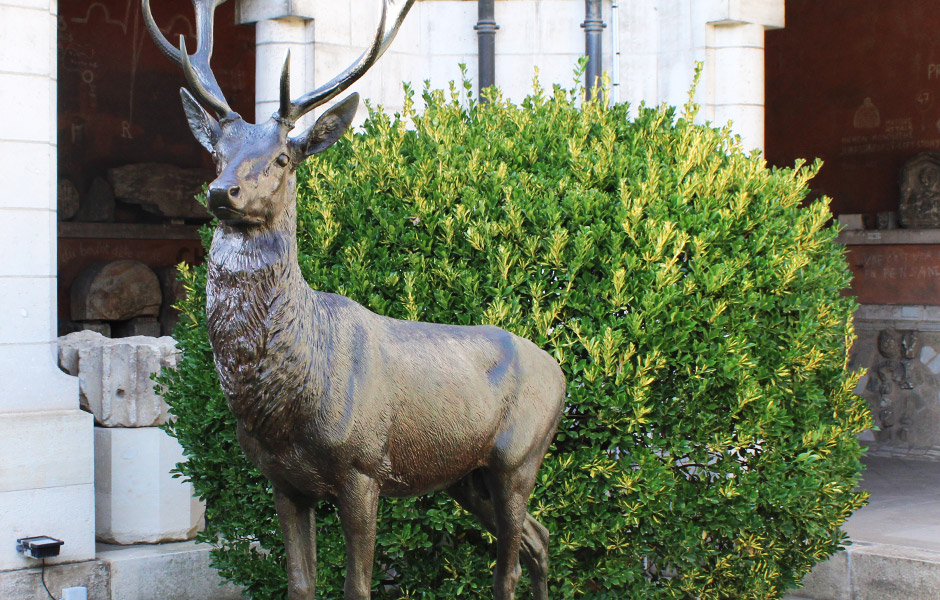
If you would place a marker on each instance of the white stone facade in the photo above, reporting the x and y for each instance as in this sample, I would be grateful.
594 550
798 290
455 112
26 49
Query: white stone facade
46 474
650 48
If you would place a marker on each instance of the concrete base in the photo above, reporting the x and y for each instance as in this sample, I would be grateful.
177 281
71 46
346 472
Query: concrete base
26 585
896 539
178 571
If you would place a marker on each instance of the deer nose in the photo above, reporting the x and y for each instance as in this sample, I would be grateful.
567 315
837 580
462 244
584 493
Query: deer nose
224 197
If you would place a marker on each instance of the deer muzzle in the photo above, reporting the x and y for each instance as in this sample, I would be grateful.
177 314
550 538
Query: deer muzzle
225 201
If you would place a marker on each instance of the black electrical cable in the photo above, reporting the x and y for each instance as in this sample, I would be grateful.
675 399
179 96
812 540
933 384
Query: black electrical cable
42 577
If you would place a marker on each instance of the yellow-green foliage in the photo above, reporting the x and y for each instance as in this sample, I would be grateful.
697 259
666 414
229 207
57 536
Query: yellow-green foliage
708 449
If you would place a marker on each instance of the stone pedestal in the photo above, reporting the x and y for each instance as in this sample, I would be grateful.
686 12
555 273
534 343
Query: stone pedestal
136 498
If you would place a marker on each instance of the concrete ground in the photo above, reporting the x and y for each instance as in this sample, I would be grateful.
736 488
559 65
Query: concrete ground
904 509
895 554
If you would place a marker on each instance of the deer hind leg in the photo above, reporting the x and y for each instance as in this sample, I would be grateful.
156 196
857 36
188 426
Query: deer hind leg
357 505
299 528
471 493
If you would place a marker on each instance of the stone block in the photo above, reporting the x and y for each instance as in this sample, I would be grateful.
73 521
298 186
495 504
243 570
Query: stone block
66 513
97 205
114 376
115 291
24 34
161 189
136 498
26 170
180 571
100 327
30 380
173 292
883 572
138 326
27 233
25 584
828 579
27 97
21 300
45 449
68 200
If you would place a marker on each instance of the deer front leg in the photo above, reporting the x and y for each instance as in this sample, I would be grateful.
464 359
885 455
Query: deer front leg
357 505
299 528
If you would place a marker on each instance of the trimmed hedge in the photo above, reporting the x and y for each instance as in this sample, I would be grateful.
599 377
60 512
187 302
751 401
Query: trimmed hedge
708 449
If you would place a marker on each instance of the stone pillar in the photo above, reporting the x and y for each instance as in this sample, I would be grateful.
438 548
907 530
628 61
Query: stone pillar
46 474
660 42
279 27
734 63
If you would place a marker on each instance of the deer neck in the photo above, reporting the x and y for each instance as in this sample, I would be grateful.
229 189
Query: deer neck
259 310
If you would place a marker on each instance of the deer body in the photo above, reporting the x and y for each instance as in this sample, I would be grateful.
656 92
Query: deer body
307 373
333 401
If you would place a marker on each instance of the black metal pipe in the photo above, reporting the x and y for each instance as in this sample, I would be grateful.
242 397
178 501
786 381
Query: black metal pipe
593 26
486 39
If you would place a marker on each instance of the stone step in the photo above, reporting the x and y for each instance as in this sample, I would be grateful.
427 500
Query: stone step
875 572
175 571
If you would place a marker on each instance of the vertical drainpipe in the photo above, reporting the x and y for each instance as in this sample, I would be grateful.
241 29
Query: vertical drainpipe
486 37
615 51
593 26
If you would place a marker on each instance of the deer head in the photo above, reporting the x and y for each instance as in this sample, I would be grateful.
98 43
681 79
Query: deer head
255 163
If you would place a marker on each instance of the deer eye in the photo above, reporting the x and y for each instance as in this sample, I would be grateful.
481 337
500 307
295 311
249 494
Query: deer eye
282 161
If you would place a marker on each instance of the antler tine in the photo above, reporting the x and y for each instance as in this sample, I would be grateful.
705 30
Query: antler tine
285 108
196 68
383 38
165 46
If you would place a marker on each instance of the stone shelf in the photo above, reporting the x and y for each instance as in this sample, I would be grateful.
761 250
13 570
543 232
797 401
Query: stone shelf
128 231
877 237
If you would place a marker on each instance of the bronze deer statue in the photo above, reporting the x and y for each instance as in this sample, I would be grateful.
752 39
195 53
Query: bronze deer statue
333 401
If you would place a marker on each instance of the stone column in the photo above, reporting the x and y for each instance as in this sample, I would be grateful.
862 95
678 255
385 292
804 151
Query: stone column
734 63
279 26
46 457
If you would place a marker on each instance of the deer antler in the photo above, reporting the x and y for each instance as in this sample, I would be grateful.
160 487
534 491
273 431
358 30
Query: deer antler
290 111
196 67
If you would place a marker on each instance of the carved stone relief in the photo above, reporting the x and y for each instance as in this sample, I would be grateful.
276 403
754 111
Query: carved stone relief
919 205
902 386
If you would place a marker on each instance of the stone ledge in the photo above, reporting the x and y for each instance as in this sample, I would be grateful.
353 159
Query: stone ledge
25 584
881 316
875 572
874 237
769 13
178 571
252 11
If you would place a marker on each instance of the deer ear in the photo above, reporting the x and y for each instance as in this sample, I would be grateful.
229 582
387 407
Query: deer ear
205 128
328 129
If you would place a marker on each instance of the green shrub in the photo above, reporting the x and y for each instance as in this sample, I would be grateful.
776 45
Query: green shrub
708 449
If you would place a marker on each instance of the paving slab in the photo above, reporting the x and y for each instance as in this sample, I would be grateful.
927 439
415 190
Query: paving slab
904 509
